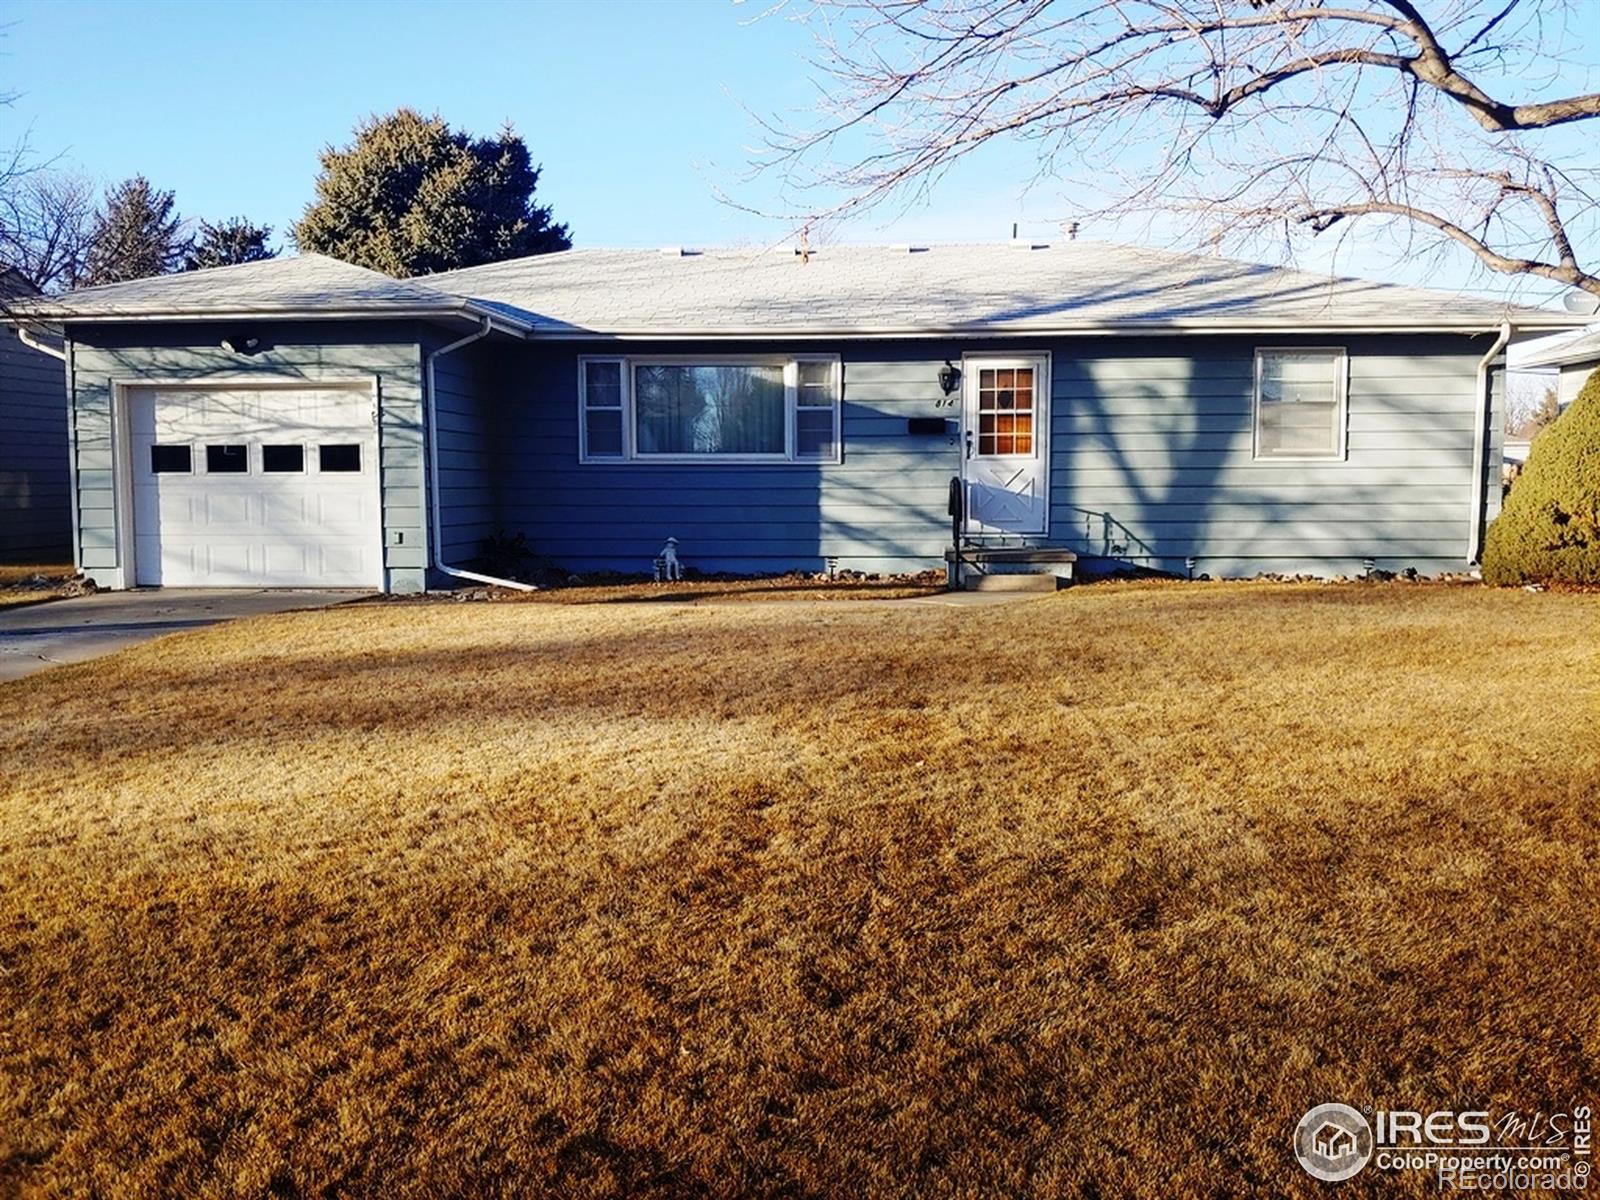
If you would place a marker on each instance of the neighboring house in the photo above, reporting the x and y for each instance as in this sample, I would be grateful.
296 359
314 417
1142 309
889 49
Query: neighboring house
1513 457
1575 360
35 488
305 422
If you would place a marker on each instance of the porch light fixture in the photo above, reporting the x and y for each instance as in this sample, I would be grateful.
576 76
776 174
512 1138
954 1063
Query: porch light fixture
949 378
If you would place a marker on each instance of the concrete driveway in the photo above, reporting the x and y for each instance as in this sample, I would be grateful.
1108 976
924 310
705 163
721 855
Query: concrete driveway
37 636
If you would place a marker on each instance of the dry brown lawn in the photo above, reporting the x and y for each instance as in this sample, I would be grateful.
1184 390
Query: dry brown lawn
703 591
1089 895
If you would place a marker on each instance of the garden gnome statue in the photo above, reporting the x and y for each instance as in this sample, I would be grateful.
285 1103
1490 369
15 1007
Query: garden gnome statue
671 568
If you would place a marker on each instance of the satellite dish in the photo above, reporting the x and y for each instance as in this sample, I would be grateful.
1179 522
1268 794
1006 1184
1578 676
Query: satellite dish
1582 303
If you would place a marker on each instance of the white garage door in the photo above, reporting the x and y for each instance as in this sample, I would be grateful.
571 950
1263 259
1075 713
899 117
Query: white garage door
255 487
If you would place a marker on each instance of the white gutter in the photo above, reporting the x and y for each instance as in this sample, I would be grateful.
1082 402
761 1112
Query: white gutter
1126 329
470 312
33 343
432 435
1480 482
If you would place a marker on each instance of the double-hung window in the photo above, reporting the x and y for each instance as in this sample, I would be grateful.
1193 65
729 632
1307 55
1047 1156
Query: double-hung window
756 408
1300 397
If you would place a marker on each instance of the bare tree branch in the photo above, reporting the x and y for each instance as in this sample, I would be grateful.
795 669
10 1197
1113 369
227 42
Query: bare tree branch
1188 105
1327 217
45 221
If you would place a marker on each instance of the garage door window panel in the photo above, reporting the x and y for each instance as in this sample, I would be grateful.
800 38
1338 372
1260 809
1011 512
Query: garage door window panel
343 457
227 460
283 460
167 459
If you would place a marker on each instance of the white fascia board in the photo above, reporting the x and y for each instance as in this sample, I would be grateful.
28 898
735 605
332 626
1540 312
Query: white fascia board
500 322
1119 329
1561 358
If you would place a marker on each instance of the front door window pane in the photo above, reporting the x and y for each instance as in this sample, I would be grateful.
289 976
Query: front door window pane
1005 410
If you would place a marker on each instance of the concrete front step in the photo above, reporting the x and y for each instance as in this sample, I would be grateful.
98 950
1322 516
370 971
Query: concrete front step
1011 582
1019 555
1012 568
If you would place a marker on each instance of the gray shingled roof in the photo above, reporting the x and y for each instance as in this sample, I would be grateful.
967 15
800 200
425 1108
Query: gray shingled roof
852 290
1578 350
947 289
311 284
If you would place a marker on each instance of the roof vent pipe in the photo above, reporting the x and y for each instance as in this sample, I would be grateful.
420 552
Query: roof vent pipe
1022 243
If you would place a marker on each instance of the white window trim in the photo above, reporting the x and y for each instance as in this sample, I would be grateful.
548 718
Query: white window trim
791 389
1039 363
1342 379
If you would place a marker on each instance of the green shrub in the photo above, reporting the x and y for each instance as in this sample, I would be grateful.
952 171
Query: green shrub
1549 530
504 555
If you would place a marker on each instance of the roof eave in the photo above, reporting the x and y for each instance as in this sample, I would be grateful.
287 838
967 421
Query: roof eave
1485 325
369 312
1592 355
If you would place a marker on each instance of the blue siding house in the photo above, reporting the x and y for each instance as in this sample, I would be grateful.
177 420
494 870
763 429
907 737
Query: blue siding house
35 489
303 422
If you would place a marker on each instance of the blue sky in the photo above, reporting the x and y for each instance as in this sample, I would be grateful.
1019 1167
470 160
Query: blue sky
630 106
640 111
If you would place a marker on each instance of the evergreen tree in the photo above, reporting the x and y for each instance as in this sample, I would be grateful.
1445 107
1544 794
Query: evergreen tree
134 235
1547 410
1549 530
227 243
412 196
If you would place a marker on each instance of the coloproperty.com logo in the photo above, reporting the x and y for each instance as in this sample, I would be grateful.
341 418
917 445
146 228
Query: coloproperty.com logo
1475 1151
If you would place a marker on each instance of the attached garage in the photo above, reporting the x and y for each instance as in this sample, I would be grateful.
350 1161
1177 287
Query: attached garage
255 486
267 425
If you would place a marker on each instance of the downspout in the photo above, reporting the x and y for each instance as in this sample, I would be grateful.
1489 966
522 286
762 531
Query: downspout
33 343
1480 481
432 434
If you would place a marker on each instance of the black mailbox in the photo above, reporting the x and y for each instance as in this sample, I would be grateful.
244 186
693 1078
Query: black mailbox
926 425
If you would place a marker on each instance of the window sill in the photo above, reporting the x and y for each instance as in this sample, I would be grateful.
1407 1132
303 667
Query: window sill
721 460
1300 458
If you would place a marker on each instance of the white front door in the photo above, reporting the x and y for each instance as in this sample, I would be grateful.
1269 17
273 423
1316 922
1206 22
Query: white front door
255 487
1005 417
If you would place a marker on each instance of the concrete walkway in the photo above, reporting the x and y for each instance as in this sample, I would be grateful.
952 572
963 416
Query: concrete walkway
969 599
37 636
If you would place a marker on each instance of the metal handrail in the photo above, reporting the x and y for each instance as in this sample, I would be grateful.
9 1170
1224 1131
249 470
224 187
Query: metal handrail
956 508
